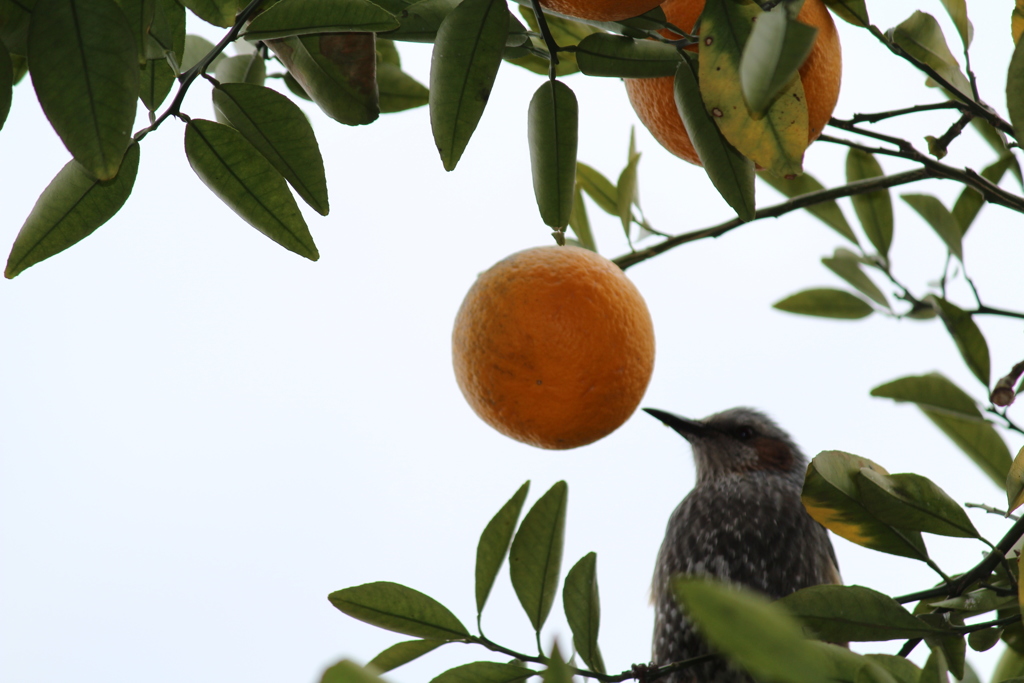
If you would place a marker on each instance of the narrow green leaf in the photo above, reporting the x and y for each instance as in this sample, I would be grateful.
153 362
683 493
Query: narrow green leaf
941 220
851 11
86 74
536 555
956 414
217 12
304 17
70 209
626 191
848 666
250 69
730 172
157 79
1015 89
970 201
579 222
139 14
485 672
984 640
553 130
600 189
759 636
463 65
493 545
558 671
420 20
874 209
831 496
397 90
935 669
275 126
776 48
921 37
854 613
901 669
911 501
957 10
826 303
195 49
1015 483
167 32
953 648
530 61
347 671
244 180
6 84
338 71
846 265
775 141
403 653
397 608
827 212
582 606
969 339
604 54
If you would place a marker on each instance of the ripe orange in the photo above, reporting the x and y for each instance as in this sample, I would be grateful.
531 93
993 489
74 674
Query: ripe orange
601 10
553 346
654 103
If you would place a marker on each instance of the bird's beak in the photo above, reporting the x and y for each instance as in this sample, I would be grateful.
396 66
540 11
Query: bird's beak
687 428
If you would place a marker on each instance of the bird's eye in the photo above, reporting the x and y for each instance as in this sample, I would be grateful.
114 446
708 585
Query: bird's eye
744 433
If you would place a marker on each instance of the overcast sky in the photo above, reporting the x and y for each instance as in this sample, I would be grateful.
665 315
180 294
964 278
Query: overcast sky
202 434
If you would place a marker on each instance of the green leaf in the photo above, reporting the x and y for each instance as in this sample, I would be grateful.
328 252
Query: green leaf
957 10
195 49
536 556
1015 89
522 57
921 37
874 209
1015 483
911 501
854 613
759 636
730 172
827 212
244 180
846 265
403 653
420 20
493 545
157 78
275 126
831 496
984 640
900 668
583 610
70 209
935 669
974 602
777 46
242 69
553 127
969 340
970 201
952 647
139 14
464 62
217 12
956 414
826 303
851 11
848 666
397 90
6 84
167 32
347 671
1010 667
14 21
604 54
775 141
600 189
565 31
579 222
626 191
338 71
557 671
397 608
304 17
485 672
941 220
86 74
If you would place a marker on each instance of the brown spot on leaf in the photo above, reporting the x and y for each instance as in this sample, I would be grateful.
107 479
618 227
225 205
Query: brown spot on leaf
709 40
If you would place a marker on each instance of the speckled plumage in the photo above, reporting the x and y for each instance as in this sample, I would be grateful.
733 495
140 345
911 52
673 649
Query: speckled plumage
743 522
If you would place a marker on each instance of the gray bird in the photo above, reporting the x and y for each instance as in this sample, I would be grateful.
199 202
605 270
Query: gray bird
742 523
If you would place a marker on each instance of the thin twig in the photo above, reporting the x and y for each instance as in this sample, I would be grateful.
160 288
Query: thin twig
883 115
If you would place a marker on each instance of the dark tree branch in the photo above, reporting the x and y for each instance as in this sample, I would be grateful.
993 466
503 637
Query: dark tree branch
883 115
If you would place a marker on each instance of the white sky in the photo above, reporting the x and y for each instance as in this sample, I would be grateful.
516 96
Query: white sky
202 434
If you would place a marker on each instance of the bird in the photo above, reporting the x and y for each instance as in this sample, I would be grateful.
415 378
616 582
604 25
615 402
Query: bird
743 523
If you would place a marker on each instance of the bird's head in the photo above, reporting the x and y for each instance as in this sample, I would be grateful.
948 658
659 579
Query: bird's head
738 441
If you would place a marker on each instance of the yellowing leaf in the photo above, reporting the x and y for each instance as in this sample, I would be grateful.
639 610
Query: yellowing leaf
1015 483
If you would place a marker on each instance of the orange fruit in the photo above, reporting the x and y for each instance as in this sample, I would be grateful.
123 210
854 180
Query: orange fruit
601 10
553 346
654 103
